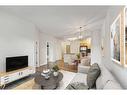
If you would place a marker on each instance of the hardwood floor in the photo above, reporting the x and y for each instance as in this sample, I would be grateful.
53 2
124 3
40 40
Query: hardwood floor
61 65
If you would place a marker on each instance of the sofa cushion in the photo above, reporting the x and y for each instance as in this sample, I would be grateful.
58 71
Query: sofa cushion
112 85
80 77
99 83
77 85
92 75
104 77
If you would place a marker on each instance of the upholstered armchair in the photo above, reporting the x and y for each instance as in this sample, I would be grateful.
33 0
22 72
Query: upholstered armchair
69 61
84 66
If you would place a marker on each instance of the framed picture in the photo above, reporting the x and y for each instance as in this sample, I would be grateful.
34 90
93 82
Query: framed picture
115 40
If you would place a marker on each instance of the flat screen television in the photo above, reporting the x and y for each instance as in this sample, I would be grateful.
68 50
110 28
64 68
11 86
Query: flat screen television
15 63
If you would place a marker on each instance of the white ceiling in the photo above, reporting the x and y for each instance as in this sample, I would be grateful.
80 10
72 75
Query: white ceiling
62 21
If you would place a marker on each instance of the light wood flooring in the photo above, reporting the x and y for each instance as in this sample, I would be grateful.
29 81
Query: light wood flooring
62 66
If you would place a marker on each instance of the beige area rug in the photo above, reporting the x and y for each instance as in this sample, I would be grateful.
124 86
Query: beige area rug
67 77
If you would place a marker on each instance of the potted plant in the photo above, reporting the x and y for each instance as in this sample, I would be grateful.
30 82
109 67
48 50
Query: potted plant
55 70
78 55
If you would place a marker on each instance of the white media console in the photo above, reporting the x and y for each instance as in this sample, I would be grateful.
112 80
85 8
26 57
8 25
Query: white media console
8 77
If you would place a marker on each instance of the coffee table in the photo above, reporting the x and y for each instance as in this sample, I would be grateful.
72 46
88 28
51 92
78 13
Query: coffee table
51 83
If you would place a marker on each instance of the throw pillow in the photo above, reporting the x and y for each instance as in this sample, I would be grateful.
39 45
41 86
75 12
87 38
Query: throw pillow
77 86
92 75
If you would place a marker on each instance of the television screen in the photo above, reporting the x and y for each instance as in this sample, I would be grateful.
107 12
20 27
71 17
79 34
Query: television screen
14 63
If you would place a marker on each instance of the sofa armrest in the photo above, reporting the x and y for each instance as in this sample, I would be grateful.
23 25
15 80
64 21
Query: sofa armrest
83 69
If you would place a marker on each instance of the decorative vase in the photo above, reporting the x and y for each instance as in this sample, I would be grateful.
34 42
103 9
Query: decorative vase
55 73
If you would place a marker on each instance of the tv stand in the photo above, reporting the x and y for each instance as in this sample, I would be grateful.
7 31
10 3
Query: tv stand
8 77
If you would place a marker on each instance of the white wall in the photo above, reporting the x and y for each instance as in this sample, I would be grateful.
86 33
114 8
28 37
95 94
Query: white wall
17 38
64 43
74 46
55 48
118 71
95 47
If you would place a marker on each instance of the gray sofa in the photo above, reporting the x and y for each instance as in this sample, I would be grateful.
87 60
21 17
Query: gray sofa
104 81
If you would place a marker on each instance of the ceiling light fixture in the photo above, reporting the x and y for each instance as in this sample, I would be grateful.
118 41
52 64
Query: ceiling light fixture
79 37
